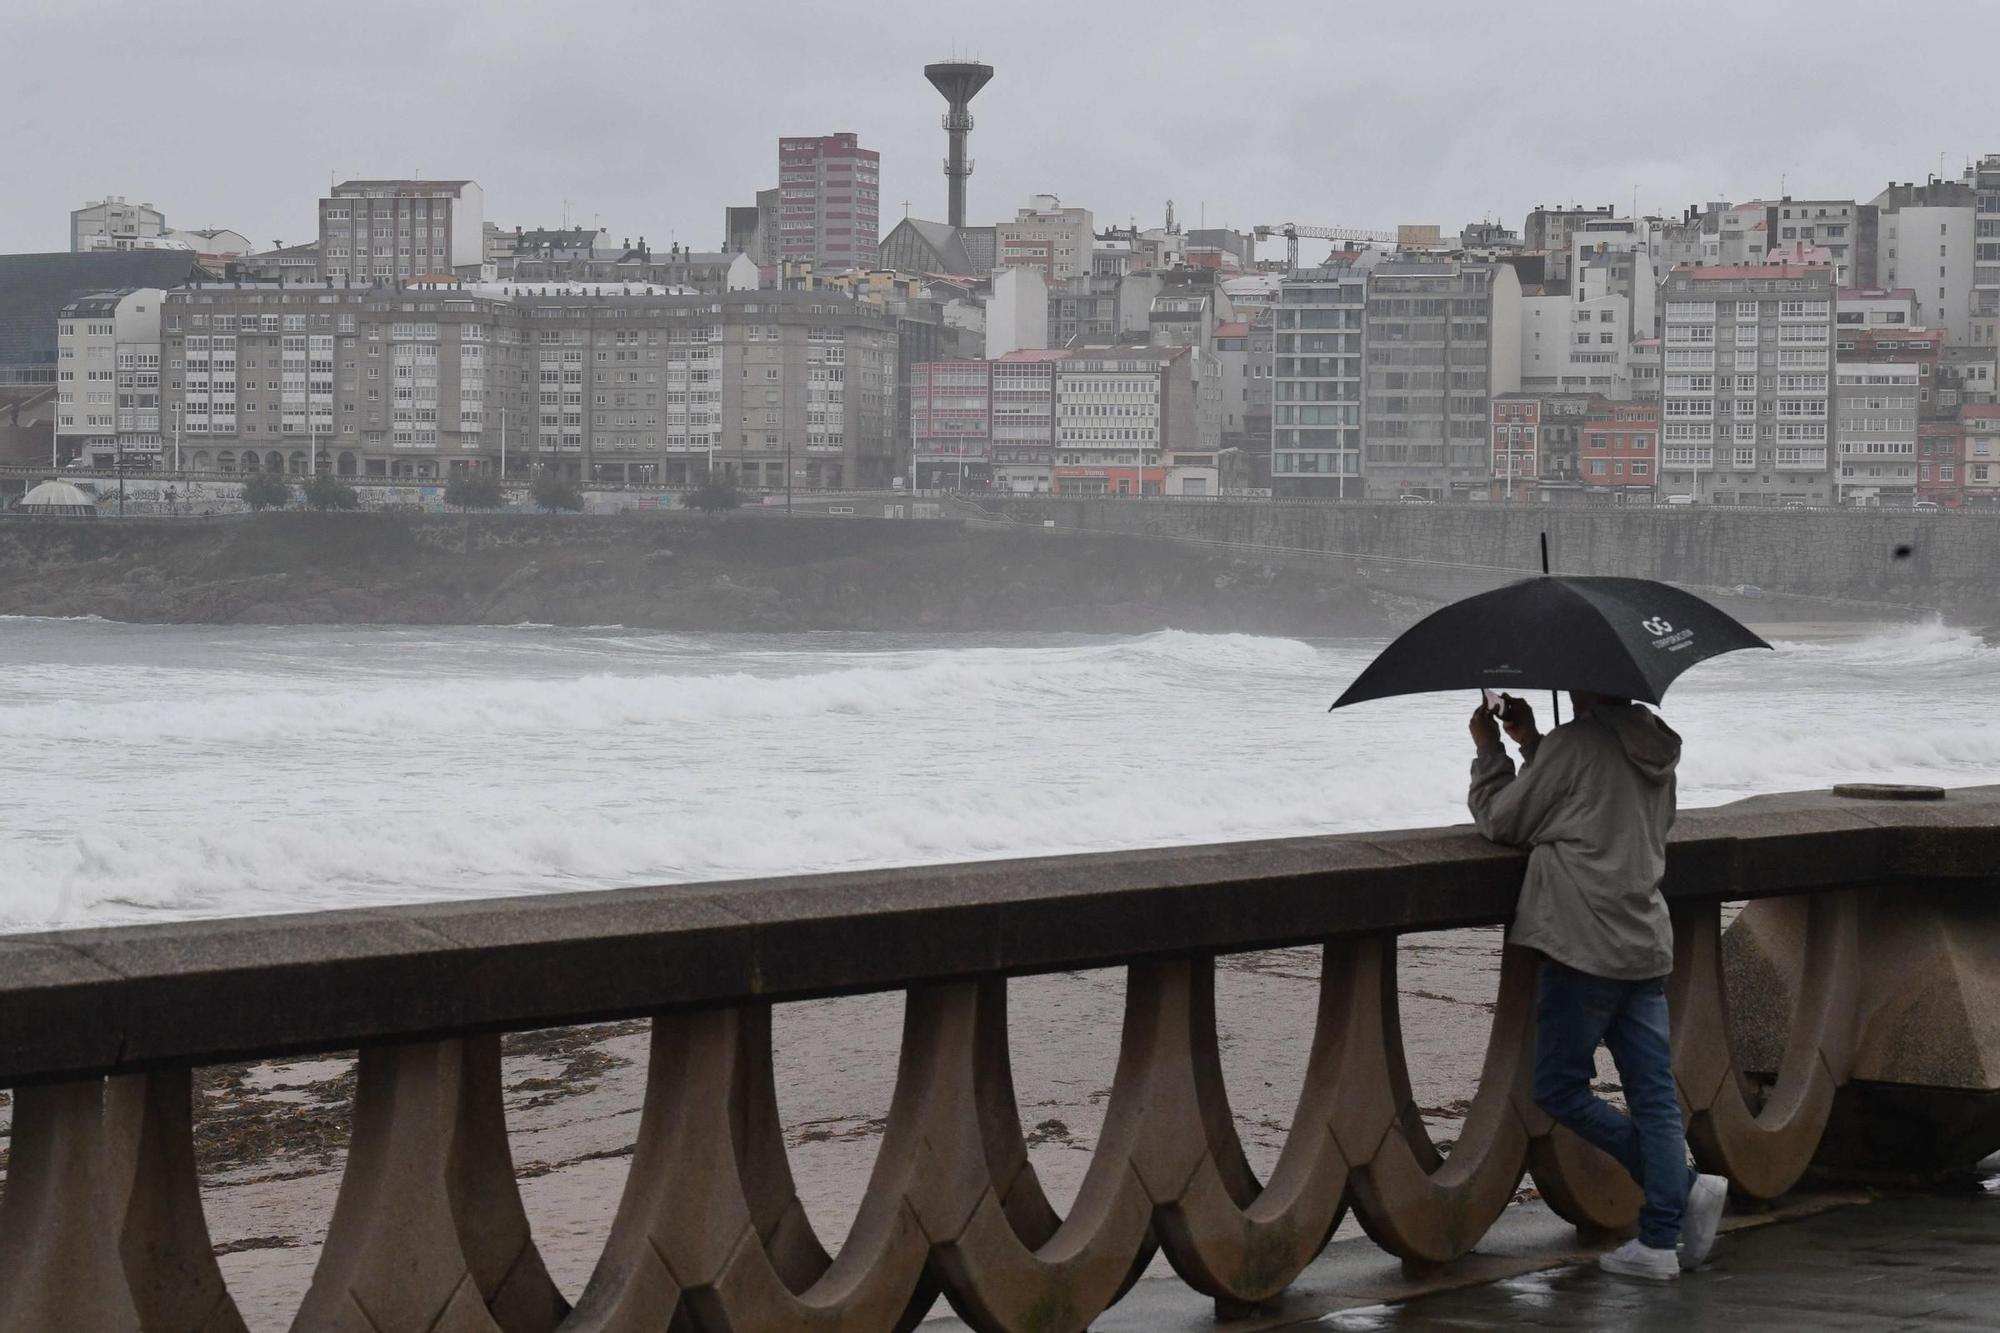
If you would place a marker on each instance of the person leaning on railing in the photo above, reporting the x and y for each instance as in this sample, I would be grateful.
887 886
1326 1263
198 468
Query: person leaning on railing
1594 800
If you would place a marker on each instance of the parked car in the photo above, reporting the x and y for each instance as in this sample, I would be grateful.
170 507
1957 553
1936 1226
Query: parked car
1680 499
1925 506
1415 500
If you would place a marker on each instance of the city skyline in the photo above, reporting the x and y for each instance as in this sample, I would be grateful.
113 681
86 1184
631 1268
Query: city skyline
1337 118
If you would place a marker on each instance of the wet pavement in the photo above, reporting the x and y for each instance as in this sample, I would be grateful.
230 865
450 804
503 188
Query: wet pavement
1912 1262
1832 1260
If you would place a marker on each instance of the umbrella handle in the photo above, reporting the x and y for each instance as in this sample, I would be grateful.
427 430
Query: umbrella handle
1555 699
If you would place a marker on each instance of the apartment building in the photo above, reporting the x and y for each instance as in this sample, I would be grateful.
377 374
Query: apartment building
1440 338
1746 405
628 384
1574 343
1927 240
1713 233
269 377
1316 381
112 223
1937 397
1120 413
1983 306
829 202
387 231
1844 228
975 424
1875 432
951 425
108 379
1535 442
1049 236
1548 229
1979 469
1940 462
1618 457
1244 356
1024 420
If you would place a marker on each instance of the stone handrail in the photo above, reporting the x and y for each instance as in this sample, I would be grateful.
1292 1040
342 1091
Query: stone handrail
101 1225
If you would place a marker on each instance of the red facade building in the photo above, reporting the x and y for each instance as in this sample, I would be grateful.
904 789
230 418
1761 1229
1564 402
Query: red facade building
1516 421
1618 452
1941 463
829 202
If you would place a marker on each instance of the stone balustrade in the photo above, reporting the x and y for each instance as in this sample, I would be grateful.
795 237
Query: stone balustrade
1863 972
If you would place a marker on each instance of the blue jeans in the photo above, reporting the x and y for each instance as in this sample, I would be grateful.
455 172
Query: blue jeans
1574 1011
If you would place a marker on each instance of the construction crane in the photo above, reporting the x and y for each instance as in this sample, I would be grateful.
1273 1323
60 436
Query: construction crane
1291 231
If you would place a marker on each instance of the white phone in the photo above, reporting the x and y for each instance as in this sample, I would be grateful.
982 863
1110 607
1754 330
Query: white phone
1495 704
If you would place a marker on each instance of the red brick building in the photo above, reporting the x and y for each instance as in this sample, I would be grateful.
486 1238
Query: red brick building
1618 454
1619 451
1941 463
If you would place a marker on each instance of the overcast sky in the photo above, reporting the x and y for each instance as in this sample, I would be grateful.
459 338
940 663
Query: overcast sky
650 117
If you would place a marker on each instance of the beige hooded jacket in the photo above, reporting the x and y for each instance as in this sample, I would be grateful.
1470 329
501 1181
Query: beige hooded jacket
1594 800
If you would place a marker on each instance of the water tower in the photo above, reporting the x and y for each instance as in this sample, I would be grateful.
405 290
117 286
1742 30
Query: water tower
959 81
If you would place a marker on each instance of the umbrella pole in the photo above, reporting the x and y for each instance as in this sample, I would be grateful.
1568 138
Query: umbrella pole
1555 699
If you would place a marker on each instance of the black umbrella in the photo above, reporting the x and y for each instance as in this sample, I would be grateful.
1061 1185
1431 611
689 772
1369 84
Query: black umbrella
1628 638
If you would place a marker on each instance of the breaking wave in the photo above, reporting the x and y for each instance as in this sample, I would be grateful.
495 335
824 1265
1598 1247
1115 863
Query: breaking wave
180 773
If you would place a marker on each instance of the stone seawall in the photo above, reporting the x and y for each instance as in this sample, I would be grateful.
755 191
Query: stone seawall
743 572
1951 565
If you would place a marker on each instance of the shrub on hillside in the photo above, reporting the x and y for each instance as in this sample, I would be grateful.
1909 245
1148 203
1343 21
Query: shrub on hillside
327 491
555 494
266 490
714 496
465 492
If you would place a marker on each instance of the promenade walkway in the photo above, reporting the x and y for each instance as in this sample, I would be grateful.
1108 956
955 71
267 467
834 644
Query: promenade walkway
1830 1260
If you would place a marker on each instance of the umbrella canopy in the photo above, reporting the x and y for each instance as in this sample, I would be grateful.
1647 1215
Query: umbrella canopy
1628 638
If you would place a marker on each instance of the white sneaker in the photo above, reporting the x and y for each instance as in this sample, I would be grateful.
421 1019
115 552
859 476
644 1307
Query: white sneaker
1636 1259
1704 1212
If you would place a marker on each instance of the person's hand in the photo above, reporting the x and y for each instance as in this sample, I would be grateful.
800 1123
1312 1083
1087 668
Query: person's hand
1519 719
1485 731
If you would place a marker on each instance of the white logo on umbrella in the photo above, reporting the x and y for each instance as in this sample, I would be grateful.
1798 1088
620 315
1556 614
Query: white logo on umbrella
1656 625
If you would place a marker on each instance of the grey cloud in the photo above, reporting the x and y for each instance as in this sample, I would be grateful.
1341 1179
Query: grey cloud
653 117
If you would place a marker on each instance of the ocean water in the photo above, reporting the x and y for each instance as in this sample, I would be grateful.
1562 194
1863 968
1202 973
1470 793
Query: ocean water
162 772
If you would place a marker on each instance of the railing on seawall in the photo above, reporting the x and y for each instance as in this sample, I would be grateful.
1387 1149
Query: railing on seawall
101 1225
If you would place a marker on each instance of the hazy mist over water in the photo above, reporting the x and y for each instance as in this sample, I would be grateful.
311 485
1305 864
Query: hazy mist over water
158 772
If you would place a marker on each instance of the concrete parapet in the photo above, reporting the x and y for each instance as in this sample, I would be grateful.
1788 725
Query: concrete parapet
1858 987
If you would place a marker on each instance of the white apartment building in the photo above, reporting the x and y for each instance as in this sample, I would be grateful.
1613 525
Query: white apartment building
1017 314
1714 234
1745 396
1064 236
1841 227
1024 415
112 223
384 231
1927 240
108 379
1983 315
1876 429
1119 411
1316 382
1577 345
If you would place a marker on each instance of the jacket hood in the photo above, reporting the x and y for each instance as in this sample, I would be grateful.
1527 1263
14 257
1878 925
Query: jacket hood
1653 747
